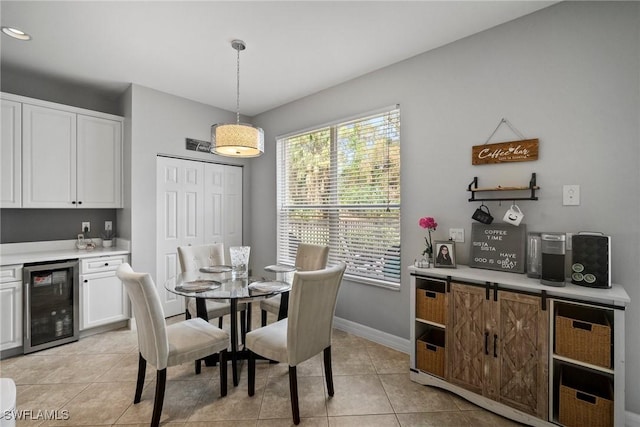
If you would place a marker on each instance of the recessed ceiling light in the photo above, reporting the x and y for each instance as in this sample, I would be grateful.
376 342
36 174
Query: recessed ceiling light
15 33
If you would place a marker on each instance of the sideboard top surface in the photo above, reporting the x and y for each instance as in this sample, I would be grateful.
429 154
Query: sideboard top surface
616 295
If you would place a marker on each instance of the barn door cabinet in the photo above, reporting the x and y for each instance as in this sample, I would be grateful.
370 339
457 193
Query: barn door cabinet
538 355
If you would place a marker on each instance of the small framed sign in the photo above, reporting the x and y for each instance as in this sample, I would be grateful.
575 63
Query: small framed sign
503 152
445 254
498 247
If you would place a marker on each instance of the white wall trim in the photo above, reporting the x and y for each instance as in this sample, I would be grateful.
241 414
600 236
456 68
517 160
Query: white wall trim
371 334
632 419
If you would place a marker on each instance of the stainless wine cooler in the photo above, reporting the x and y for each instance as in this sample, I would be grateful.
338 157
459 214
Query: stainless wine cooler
51 309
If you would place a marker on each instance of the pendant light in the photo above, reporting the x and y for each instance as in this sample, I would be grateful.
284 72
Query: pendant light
237 139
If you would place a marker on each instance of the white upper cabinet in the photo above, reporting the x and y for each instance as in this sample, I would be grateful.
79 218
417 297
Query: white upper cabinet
99 161
49 157
70 157
10 155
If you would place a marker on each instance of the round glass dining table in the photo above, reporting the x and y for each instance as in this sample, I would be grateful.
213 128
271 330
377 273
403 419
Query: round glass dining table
218 284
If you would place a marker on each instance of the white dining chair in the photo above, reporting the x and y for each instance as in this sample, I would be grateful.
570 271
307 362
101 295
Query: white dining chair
304 333
165 345
308 258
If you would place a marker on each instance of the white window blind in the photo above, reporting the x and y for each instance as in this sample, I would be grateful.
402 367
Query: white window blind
339 186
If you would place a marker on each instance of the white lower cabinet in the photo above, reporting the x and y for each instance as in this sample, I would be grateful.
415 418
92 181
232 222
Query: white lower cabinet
102 294
11 306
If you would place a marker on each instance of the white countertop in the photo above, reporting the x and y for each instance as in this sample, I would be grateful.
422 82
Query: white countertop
23 253
616 295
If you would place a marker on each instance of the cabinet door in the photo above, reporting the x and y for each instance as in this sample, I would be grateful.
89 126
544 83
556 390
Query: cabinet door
11 155
466 336
104 300
522 351
48 157
99 162
11 312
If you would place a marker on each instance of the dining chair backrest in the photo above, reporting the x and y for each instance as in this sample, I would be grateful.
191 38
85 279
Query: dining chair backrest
195 257
152 332
312 305
311 257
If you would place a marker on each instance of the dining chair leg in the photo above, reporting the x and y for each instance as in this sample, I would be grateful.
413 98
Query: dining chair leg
243 325
251 361
161 382
223 373
263 318
187 315
142 369
328 372
198 366
220 322
293 391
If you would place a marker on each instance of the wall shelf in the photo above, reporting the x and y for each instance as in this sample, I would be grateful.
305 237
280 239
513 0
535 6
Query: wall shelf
473 188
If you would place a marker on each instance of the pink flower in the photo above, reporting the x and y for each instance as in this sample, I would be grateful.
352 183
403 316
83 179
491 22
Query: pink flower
428 223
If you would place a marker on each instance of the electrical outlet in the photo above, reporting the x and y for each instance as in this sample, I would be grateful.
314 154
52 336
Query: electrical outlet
86 227
570 195
456 234
108 225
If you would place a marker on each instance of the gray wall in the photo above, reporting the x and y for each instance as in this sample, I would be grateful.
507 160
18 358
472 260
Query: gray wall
159 124
37 225
28 83
568 75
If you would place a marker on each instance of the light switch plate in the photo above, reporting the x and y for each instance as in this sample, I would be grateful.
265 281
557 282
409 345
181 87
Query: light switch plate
456 234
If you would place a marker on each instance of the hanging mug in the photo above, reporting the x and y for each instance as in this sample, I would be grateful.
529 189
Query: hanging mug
482 215
513 215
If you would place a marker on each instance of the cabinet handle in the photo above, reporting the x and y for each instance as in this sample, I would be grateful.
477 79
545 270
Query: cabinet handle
430 294
586 397
495 345
79 203
486 343
106 264
86 281
73 203
581 325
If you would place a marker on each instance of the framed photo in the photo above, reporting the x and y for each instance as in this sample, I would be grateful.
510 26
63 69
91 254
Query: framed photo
444 254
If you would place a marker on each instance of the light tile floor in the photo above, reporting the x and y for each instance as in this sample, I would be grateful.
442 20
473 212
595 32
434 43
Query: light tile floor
94 380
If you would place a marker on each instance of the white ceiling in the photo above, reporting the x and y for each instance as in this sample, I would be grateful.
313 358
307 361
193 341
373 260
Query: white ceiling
294 48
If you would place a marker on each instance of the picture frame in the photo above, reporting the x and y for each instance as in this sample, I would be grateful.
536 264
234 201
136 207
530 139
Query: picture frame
444 254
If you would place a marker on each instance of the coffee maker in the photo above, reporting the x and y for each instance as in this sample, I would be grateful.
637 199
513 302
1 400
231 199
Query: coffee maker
553 251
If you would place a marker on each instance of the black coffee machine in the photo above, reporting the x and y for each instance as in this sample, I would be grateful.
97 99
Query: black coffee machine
553 249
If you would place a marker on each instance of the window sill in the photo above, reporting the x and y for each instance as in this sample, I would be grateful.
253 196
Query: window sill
373 282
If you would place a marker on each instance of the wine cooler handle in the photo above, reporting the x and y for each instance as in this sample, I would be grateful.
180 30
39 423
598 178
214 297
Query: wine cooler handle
27 298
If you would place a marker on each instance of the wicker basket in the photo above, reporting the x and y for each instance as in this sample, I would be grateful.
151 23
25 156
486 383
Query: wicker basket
430 352
583 334
431 301
585 400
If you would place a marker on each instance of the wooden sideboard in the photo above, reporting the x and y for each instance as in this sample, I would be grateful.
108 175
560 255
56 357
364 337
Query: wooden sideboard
536 354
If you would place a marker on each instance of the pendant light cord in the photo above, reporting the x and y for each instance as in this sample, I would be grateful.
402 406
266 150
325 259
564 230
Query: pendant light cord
238 86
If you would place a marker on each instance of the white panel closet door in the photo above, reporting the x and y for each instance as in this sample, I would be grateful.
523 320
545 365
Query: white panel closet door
232 204
180 213
213 204
223 205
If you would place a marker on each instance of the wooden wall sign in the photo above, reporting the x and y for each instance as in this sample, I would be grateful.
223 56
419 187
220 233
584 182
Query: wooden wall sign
503 152
498 247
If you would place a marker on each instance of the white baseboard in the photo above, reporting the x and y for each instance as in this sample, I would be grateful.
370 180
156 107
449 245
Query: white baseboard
632 419
371 334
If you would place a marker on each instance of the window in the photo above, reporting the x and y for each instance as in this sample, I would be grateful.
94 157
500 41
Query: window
339 185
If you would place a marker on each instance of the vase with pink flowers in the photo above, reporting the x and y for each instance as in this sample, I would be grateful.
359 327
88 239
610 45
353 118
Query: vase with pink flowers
430 224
